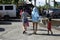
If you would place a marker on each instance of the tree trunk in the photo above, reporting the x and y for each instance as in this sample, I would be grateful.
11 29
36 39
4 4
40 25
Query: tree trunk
54 3
46 2
49 3
34 2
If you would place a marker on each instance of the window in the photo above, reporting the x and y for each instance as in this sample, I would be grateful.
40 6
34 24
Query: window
1 7
8 7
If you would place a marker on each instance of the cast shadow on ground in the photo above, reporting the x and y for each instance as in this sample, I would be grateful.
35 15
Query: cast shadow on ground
17 20
38 30
14 20
10 20
2 29
5 23
45 34
49 34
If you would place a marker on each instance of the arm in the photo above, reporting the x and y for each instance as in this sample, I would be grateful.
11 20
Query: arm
27 14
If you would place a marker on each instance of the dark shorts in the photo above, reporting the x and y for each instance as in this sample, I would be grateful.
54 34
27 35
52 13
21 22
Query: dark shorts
25 20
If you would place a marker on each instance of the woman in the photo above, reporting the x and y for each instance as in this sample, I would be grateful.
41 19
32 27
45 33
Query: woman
35 19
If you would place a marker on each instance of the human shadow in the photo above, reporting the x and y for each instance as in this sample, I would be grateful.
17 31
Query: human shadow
2 29
44 34
56 35
38 30
49 34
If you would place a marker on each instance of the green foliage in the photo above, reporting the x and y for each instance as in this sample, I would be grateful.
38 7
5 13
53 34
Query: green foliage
46 6
0 1
8 1
40 8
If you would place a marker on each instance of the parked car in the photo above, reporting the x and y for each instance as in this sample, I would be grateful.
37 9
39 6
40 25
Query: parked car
47 13
7 10
54 13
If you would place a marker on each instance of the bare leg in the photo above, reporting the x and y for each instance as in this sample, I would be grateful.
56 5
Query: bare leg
25 28
33 25
36 26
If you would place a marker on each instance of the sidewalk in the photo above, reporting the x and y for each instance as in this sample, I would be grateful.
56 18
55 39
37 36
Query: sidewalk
14 32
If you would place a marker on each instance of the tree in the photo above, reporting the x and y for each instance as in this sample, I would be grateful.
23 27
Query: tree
0 1
10 2
6 1
55 4
34 2
46 2
16 2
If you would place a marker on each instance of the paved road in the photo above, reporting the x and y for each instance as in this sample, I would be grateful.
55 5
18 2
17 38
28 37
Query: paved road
13 31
